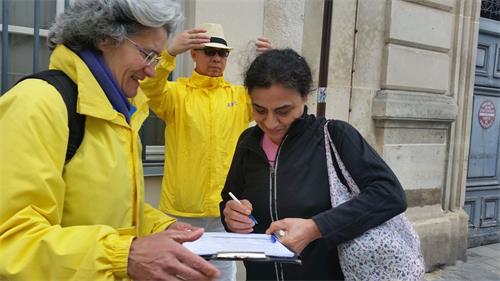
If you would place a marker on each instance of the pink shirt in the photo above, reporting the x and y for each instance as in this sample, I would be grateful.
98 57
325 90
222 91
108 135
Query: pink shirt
270 148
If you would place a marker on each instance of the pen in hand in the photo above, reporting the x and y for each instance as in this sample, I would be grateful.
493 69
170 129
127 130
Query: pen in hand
277 235
238 201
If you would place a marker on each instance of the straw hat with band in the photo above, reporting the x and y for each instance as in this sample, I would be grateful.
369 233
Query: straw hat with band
217 38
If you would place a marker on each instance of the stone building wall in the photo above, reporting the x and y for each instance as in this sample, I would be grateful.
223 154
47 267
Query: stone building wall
400 71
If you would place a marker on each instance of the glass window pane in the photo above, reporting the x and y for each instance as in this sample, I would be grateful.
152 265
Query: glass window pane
21 56
152 130
490 9
153 140
21 13
20 48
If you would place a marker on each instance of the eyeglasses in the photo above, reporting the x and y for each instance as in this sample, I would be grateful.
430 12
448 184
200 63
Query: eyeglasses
151 58
223 53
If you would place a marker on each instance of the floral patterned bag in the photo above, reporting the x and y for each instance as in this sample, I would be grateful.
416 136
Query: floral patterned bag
390 251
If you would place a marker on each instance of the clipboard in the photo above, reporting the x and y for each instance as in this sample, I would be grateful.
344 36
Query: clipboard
252 256
246 247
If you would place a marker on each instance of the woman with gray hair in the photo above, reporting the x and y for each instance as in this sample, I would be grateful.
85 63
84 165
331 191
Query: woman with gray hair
84 218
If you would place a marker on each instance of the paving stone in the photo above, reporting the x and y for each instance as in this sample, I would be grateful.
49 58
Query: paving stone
484 252
491 268
495 247
483 264
494 262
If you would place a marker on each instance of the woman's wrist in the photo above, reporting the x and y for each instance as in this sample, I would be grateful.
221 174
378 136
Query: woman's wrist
313 230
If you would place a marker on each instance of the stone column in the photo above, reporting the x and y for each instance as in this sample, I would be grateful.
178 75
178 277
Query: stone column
422 114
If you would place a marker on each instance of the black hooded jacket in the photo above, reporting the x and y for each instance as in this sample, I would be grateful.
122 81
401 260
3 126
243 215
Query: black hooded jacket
297 187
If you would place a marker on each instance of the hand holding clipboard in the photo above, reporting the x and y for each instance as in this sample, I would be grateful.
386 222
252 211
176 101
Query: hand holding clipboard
235 246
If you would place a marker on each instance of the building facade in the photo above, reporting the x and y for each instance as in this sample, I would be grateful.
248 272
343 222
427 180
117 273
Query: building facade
405 74
402 72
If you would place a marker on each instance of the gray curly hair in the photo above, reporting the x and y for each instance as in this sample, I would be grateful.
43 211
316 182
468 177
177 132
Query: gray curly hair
88 22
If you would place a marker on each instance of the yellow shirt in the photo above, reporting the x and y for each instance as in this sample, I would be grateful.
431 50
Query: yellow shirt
204 117
73 221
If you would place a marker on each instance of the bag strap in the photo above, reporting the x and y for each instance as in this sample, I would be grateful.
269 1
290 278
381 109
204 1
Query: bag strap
329 146
69 92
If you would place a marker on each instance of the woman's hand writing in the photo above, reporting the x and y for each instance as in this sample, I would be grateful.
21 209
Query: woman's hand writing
236 216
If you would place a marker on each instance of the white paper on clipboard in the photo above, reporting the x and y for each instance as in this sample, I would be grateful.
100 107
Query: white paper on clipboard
212 243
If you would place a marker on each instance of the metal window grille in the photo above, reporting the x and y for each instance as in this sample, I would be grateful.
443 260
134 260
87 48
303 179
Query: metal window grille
18 33
490 9
22 51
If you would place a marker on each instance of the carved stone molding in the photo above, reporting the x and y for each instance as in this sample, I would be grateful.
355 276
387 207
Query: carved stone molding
391 107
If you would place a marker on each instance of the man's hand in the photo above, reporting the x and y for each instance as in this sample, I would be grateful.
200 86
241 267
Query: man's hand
182 226
160 257
188 39
236 216
263 44
177 229
298 232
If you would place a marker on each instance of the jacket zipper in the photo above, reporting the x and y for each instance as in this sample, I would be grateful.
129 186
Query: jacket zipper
273 206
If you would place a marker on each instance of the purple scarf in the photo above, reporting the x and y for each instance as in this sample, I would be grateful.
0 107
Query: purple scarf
101 72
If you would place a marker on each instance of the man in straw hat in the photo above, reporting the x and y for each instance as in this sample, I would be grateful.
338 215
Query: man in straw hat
204 117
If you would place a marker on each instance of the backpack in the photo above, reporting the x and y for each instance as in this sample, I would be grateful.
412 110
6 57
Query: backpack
69 92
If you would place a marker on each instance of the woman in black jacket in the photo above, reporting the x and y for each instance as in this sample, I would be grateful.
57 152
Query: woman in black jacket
280 170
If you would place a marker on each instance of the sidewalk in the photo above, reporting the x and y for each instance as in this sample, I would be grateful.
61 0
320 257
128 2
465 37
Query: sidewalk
483 264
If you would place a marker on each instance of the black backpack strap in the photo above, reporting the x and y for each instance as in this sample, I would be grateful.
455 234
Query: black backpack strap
69 92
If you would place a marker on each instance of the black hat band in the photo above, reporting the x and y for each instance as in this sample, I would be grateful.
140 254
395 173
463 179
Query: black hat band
218 40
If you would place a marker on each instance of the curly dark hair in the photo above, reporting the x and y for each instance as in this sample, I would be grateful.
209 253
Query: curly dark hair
279 66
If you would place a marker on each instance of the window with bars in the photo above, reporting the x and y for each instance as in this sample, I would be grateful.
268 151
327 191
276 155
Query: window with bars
24 51
490 9
24 21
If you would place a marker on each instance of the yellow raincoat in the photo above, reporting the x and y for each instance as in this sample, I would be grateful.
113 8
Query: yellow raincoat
204 117
73 221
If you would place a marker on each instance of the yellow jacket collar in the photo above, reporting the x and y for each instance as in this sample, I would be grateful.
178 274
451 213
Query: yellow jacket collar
92 100
202 81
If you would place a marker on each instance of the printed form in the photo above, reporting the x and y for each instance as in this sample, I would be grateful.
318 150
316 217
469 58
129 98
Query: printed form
213 243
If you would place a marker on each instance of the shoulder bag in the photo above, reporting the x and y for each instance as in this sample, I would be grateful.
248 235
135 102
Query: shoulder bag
390 251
